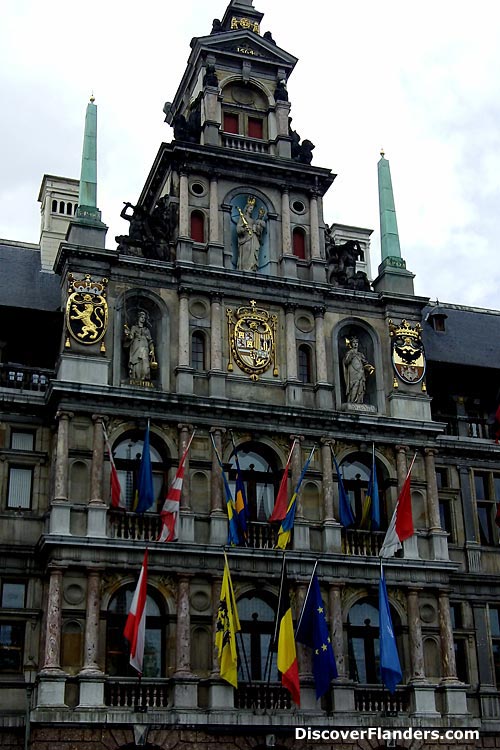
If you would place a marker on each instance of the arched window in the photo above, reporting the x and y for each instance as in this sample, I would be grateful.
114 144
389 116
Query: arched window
69 209
257 619
299 243
356 471
244 111
198 351
118 648
304 363
54 206
61 207
363 641
127 454
259 468
198 226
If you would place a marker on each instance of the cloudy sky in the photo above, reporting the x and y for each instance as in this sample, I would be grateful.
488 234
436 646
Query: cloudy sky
420 79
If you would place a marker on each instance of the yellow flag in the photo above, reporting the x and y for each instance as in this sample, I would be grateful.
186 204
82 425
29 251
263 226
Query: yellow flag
228 624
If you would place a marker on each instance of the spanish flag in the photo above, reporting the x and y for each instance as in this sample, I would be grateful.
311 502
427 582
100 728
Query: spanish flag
228 624
287 653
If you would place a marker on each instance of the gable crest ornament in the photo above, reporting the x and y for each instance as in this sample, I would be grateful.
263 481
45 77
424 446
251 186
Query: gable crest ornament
252 340
86 310
408 356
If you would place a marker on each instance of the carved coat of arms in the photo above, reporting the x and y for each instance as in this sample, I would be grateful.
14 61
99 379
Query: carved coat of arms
86 310
252 340
408 356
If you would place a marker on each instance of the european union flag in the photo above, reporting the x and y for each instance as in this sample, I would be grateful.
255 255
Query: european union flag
313 632
390 668
145 491
346 516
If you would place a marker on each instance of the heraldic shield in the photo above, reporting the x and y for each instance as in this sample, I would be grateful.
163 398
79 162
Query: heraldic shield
252 336
86 309
408 356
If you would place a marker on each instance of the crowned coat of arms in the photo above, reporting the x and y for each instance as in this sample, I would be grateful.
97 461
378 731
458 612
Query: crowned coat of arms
86 309
408 356
252 340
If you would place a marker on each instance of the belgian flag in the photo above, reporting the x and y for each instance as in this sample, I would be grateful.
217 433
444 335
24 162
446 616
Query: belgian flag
285 642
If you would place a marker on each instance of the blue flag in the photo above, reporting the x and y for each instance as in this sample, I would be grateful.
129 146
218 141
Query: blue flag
312 631
390 668
286 528
233 535
346 516
145 493
240 501
371 508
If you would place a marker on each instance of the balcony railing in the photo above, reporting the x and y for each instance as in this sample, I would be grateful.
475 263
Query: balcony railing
241 143
128 693
376 700
143 528
261 695
362 543
466 426
25 378
262 535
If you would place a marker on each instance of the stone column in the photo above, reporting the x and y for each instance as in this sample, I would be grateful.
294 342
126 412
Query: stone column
61 471
97 510
184 349
336 627
52 656
218 516
183 206
313 212
183 630
415 637
286 234
91 646
448 663
401 466
327 466
319 320
432 490
291 345
217 377
184 435
214 210
296 468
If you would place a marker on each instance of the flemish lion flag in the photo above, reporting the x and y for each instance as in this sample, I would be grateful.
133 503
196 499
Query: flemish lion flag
228 624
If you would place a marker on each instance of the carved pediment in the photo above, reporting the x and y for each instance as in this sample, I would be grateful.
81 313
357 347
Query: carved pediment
245 43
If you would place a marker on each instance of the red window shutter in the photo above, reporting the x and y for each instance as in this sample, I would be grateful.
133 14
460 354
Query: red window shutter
299 243
197 227
255 128
231 123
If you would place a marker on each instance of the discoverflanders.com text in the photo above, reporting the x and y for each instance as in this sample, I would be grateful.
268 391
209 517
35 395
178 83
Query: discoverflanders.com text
380 733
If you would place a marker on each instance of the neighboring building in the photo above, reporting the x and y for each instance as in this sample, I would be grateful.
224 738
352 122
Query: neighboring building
233 308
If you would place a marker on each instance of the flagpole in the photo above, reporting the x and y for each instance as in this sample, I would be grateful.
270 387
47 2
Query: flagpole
242 642
273 643
307 594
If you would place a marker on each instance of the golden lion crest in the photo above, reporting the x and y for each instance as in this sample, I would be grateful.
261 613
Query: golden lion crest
86 310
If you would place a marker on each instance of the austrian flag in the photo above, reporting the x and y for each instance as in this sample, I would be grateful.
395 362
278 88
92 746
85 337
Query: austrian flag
401 525
135 627
170 511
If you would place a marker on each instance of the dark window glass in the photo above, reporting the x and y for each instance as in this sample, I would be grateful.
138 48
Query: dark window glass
197 226
299 243
456 616
61 207
231 124
486 533
198 351
481 486
496 484
69 209
54 206
22 441
118 649
255 128
13 595
460 645
257 620
127 455
363 643
445 517
304 364
441 477
11 646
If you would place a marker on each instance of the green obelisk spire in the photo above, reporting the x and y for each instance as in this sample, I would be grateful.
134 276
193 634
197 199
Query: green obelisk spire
87 199
389 237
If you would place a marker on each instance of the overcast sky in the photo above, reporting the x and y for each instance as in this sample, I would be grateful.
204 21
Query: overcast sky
420 79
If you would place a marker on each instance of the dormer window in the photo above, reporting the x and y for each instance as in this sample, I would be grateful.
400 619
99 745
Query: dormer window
244 111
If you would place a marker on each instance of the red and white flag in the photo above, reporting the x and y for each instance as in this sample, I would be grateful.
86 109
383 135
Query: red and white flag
135 627
170 511
117 499
401 525
281 504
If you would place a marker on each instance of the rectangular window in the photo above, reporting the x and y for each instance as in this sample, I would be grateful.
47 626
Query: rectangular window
495 640
441 477
255 128
486 533
460 645
231 124
456 616
22 441
481 486
11 646
19 493
445 517
13 595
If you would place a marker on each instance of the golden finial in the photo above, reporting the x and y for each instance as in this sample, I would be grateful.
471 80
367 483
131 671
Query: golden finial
92 98
382 152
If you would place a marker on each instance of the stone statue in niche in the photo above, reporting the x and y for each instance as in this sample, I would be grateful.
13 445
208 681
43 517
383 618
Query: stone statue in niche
301 152
356 369
250 233
139 342
210 77
341 264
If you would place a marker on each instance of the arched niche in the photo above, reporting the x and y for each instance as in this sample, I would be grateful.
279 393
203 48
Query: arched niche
127 310
79 482
261 469
369 346
235 201
355 469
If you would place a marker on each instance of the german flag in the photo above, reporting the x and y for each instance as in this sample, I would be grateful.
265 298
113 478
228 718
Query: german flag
287 653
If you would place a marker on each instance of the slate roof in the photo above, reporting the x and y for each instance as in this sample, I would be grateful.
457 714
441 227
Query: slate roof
22 283
471 336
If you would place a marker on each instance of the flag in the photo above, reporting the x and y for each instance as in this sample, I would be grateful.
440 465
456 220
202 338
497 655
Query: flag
284 642
390 668
233 535
370 518
144 492
170 511
117 499
401 525
346 516
240 504
312 631
135 627
281 504
286 527
228 624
